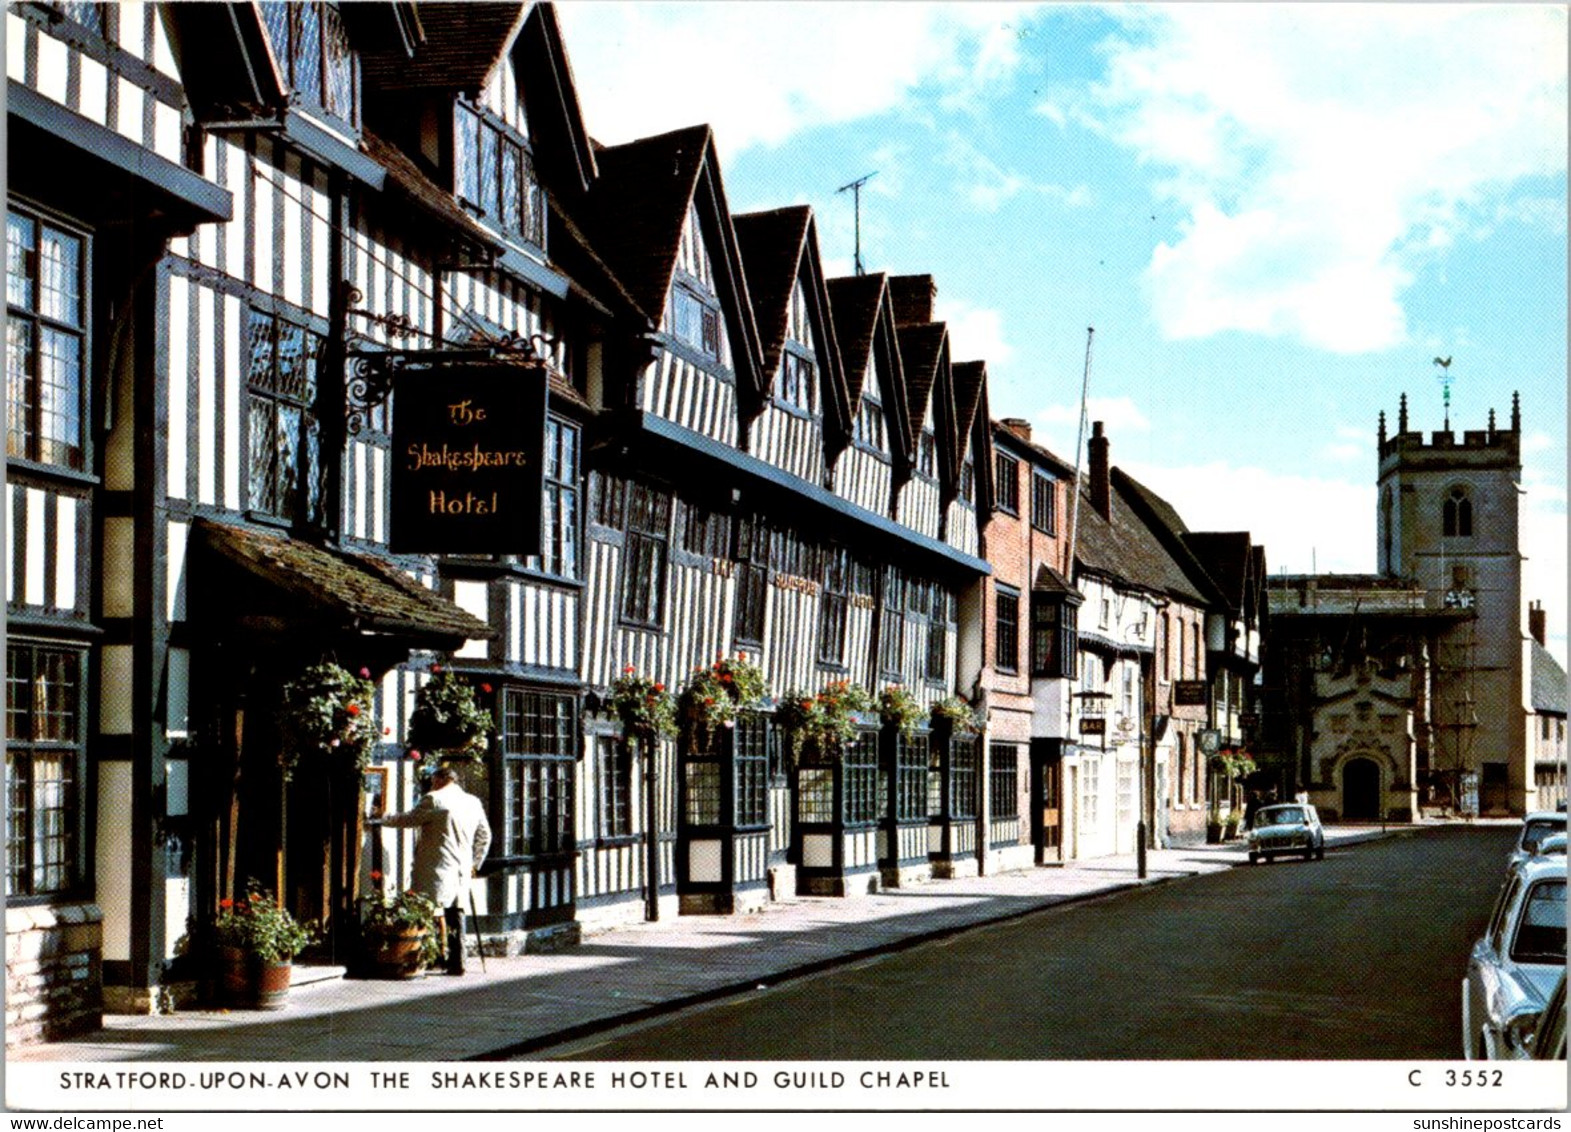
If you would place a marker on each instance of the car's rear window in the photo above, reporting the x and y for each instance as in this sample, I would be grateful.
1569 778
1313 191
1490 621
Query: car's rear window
1534 832
1541 938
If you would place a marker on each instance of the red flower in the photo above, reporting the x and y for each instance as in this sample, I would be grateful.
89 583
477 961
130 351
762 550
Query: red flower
353 710
226 903
414 754
629 670
376 875
365 674
435 668
387 731
486 688
725 678
709 699
659 687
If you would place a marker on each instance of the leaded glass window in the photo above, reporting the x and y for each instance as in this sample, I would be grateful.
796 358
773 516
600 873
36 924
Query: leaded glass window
46 342
43 768
750 739
860 767
285 436
312 48
539 735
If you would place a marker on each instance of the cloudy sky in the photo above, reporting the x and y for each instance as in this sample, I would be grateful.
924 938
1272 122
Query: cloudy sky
1275 216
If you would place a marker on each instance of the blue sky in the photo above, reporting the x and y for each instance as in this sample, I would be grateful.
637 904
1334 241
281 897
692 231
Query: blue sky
1274 215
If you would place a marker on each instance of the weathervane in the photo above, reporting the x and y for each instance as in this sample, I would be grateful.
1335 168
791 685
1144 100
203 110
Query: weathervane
1445 387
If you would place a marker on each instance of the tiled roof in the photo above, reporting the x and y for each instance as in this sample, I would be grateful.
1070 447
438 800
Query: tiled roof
771 245
1032 450
1227 557
574 255
460 45
340 590
969 378
411 181
1548 681
1127 550
638 206
854 301
1164 522
1049 580
921 347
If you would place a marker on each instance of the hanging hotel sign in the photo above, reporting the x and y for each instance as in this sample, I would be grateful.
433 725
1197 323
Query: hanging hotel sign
1093 725
1189 693
468 460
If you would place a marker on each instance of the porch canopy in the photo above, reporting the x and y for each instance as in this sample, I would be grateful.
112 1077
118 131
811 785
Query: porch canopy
276 586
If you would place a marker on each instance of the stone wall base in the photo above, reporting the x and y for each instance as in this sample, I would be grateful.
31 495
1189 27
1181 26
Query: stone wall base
527 941
956 868
858 884
904 876
54 972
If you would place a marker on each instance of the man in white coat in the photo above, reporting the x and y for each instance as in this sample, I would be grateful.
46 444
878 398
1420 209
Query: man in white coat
454 838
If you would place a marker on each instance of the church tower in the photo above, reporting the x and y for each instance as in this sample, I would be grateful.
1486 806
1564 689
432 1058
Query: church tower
1448 514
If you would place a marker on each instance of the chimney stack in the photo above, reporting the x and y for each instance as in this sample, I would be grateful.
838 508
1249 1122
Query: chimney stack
912 298
1019 426
1535 622
1101 483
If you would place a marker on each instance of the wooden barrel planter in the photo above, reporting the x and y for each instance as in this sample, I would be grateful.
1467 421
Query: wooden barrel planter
395 955
249 983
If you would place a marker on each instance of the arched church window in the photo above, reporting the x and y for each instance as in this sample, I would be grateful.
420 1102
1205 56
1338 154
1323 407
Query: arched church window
1456 516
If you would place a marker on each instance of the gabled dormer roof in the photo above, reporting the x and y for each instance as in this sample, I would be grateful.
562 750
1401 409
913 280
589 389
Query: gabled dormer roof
970 378
1126 550
779 250
635 213
456 47
226 65
1158 518
865 329
560 143
1228 557
922 349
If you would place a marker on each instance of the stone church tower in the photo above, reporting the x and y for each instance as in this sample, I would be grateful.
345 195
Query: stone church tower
1448 519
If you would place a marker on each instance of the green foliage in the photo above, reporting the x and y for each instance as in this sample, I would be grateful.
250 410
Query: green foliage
326 714
897 706
645 708
384 915
1236 764
958 715
714 695
448 722
824 721
259 927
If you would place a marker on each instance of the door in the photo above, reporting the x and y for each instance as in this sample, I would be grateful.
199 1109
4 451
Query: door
1047 829
1361 790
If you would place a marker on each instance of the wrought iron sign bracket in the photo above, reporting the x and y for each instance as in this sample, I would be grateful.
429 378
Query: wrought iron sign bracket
371 367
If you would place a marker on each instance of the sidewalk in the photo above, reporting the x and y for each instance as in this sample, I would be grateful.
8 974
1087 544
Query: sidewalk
532 1002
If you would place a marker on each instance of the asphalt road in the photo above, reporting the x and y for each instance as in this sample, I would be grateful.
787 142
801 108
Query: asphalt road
1357 956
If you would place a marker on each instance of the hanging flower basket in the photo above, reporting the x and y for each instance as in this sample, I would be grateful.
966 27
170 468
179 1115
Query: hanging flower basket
713 697
448 722
1236 764
824 721
898 708
644 707
326 715
957 715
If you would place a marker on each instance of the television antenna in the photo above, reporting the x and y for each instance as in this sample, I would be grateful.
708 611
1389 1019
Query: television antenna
1445 387
856 197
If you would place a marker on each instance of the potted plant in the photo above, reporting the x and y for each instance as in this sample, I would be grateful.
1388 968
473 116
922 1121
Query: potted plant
958 716
823 721
326 715
713 697
257 943
400 930
644 707
898 708
448 723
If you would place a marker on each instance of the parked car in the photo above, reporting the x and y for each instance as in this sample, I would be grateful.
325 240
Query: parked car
1287 828
1512 971
1549 1043
1535 827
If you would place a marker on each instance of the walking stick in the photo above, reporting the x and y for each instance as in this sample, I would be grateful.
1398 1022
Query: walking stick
474 918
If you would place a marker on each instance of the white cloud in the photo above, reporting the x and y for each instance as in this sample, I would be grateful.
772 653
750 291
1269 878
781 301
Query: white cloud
759 73
1306 523
1322 152
975 333
988 185
1061 423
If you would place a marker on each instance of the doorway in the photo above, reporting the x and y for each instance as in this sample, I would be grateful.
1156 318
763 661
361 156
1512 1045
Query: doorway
1361 790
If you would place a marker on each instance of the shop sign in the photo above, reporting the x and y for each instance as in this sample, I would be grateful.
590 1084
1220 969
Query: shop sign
1189 693
468 460
1093 725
